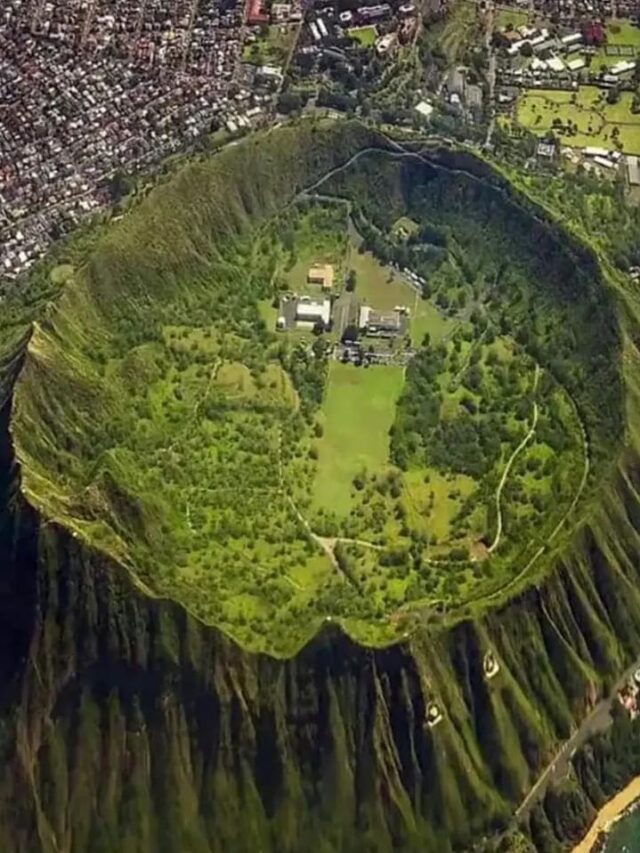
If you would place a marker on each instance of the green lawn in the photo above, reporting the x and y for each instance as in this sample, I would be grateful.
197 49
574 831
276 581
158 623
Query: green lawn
273 49
358 410
365 35
426 318
624 32
377 285
586 108
509 18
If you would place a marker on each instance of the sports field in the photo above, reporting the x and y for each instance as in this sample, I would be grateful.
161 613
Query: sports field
582 118
365 35
358 411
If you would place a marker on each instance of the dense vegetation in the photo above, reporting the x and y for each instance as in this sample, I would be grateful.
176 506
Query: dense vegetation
158 422
184 415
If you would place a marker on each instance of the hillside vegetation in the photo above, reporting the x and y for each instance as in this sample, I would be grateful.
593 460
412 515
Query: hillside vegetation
160 419
158 424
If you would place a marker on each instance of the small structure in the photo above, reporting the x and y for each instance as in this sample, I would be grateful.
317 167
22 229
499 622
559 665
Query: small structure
424 108
633 171
385 43
269 75
490 666
577 64
434 714
546 150
321 274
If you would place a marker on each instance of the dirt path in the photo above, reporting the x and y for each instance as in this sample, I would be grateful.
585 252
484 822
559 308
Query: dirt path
510 462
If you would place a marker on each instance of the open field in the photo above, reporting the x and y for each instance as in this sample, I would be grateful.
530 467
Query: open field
377 285
273 49
457 31
624 32
365 35
358 411
427 319
509 18
432 500
591 118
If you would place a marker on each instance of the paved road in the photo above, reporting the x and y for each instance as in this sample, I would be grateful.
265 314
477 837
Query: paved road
598 720
491 76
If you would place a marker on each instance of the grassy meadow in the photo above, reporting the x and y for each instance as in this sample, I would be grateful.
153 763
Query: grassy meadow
593 121
357 414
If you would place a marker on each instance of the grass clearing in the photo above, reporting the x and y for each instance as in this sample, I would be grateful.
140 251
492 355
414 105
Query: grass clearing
427 319
359 408
320 238
273 48
509 19
623 32
61 274
365 35
377 285
431 504
588 110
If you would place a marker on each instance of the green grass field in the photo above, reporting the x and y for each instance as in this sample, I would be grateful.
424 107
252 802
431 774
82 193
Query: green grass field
509 18
365 35
273 49
623 32
378 285
358 411
587 108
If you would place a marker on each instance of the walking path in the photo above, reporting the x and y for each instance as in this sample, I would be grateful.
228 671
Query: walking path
510 462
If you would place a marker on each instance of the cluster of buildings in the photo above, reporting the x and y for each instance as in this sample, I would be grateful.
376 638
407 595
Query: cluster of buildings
536 58
357 325
629 695
572 12
463 94
388 25
90 89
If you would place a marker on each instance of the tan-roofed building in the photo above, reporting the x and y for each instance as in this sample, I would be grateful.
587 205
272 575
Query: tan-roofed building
321 274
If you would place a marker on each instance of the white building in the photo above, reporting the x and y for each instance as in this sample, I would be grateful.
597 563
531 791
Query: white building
310 311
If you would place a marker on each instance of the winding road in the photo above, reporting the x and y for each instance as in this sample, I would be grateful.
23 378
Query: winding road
597 721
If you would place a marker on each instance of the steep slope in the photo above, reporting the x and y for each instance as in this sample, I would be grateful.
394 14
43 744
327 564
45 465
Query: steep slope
130 725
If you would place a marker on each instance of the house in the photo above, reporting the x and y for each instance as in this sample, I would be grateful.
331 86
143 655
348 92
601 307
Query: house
310 312
321 274
546 150
382 324
280 12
